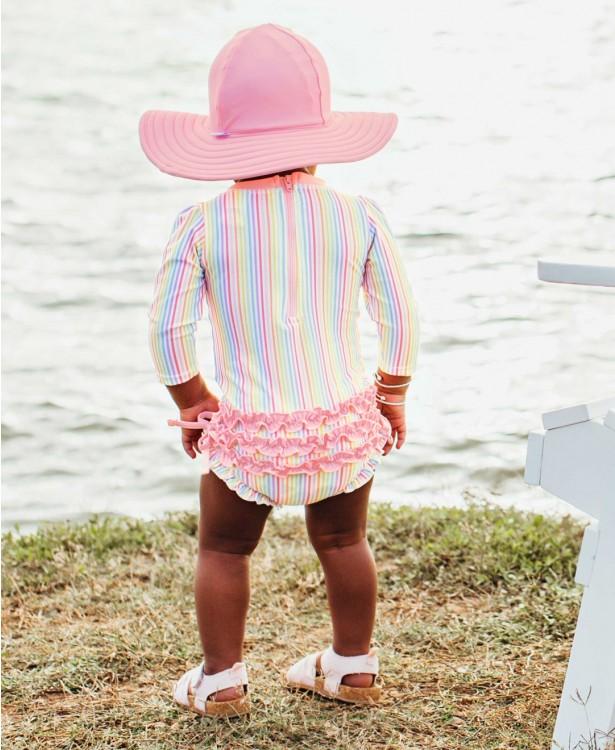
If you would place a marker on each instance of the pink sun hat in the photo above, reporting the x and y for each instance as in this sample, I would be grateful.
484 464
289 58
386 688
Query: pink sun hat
269 111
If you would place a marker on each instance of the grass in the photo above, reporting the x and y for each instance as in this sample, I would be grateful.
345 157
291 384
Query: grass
475 618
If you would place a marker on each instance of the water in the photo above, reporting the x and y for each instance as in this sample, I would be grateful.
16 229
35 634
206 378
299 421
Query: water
504 154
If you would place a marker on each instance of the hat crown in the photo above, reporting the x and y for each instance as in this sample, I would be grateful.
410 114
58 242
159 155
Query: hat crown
267 77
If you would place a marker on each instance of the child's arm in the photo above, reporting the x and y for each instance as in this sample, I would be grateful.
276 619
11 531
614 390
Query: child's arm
389 299
390 304
192 392
176 308
177 304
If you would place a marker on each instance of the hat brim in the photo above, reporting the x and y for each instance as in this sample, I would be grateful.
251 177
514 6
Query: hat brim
179 143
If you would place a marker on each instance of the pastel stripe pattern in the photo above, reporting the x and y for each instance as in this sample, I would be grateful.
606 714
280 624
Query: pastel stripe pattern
177 306
389 298
231 252
280 273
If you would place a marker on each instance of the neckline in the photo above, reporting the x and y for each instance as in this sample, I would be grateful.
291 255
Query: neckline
276 180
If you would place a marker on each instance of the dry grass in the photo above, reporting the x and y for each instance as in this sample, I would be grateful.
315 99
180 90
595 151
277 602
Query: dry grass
476 613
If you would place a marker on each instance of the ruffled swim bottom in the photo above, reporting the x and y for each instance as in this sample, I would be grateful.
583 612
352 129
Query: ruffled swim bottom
293 458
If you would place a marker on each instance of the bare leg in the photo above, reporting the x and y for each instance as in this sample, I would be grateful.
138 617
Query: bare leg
336 527
229 530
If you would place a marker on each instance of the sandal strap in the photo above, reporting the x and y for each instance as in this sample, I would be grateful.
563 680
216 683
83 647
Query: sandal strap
235 676
188 679
204 685
303 672
335 667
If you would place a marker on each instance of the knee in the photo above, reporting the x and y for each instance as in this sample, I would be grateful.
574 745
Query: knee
337 540
227 545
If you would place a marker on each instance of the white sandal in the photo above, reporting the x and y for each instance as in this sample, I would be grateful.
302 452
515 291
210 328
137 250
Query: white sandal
193 689
322 673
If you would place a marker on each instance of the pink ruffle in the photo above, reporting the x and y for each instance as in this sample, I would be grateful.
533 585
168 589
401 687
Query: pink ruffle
352 431
296 420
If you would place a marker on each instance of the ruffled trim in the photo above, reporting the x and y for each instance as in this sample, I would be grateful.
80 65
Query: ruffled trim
312 465
355 430
295 420
364 475
362 429
234 481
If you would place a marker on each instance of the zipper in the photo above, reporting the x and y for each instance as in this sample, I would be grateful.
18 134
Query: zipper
292 248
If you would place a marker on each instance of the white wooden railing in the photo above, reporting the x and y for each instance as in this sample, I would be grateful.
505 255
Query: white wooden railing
573 457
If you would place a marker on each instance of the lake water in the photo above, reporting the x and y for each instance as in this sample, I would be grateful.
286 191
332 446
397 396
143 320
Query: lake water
504 154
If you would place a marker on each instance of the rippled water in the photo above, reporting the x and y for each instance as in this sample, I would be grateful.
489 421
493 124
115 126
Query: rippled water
504 154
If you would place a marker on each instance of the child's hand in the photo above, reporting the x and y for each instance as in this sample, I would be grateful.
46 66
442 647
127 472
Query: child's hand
397 418
190 438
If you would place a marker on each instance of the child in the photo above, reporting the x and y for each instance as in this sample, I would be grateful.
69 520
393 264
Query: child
280 258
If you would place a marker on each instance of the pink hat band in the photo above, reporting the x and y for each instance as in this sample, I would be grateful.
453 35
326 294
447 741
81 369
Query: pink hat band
269 110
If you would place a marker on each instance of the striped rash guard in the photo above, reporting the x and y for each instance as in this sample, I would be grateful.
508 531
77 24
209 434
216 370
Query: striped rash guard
280 263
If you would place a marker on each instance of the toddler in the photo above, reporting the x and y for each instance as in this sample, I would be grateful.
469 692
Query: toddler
280 260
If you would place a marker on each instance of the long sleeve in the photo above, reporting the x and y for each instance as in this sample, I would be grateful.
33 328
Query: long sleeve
388 297
177 304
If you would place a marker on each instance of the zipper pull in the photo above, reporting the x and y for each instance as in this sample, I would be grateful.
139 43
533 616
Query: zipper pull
288 181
